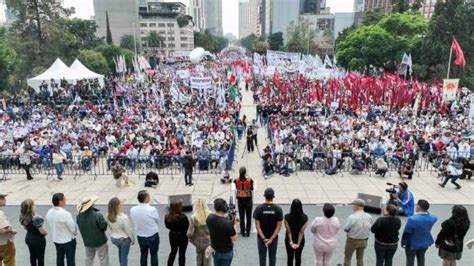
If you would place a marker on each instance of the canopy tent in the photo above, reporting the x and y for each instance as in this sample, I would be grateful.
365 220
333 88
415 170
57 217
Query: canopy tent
82 72
57 71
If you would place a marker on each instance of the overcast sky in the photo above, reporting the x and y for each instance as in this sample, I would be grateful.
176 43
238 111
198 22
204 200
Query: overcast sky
85 9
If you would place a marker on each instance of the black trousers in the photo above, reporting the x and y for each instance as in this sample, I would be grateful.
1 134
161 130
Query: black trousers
294 254
67 250
245 214
178 242
250 147
27 170
188 176
36 246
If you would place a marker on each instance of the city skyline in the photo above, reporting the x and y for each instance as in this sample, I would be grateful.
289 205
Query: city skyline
85 9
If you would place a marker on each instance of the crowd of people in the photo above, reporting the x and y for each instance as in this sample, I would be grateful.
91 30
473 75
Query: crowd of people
213 233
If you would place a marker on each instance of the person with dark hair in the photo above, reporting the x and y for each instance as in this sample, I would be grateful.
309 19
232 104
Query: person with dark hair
250 139
324 231
222 234
188 165
357 228
451 237
416 238
244 187
64 231
151 179
404 200
454 172
146 220
295 223
268 219
118 173
178 224
386 230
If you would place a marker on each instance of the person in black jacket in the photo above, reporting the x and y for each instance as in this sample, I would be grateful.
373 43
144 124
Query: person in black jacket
450 238
386 230
178 224
188 164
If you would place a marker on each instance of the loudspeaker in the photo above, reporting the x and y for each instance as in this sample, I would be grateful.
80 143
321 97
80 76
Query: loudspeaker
373 204
186 200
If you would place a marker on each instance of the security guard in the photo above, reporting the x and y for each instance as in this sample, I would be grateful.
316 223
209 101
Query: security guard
244 194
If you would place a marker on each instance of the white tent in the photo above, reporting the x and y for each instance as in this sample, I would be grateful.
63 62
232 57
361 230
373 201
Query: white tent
82 72
57 71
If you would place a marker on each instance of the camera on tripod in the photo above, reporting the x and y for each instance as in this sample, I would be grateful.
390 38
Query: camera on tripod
231 210
392 189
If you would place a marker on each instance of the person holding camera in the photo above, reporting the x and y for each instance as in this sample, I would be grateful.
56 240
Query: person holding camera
222 232
403 199
453 171
244 187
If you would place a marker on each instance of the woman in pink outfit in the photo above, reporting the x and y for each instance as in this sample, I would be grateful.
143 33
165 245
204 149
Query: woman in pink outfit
324 231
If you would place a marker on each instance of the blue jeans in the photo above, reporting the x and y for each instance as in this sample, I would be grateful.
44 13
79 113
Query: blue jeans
384 254
59 169
149 244
123 245
223 259
262 252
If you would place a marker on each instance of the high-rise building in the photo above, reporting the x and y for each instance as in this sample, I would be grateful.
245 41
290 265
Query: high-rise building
213 16
385 5
249 18
123 17
283 13
265 17
428 8
358 5
313 6
196 10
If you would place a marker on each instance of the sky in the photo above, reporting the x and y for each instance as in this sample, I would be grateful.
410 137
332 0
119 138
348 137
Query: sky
85 9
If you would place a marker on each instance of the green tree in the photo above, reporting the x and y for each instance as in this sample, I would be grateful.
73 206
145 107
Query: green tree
372 17
110 52
248 42
154 40
8 62
275 41
417 5
400 6
94 60
302 37
451 18
260 47
221 43
128 42
84 31
108 31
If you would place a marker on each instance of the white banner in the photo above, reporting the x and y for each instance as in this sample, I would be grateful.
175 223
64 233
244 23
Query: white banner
450 89
275 57
201 83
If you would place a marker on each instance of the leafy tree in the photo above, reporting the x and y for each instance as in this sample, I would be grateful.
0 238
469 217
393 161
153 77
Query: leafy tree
154 40
260 47
108 32
128 42
248 42
221 43
84 31
275 41
302 37
94 61
109 52
451 18
400 6
372 17
417 5
8 62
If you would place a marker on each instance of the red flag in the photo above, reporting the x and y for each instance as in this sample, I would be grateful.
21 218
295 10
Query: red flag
456 48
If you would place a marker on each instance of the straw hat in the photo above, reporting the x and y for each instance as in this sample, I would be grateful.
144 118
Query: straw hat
86 203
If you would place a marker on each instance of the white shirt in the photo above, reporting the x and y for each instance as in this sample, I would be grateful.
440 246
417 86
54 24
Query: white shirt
122 228
62 225
4 223
146 219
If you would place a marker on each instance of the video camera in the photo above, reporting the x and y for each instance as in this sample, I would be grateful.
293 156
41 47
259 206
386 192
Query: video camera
393 188
231 210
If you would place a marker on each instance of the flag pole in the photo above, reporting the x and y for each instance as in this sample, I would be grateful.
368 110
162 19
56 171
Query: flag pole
449 62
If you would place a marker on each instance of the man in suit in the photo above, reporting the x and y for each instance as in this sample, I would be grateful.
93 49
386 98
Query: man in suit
417 236
429 149
188 165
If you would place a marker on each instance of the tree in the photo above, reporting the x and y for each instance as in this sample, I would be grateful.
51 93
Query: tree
155 40
248 42
416 5
109 52
451 18
372 17
94 61
260 47
109 33
8 62
302 37
275 41
205 40
128 42
221 43
84 31
400 6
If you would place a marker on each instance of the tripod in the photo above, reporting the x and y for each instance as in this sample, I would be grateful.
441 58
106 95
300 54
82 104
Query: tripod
245 148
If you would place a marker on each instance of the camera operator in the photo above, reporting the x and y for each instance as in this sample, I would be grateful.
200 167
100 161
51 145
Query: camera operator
244 187
403 199
222 233
453 171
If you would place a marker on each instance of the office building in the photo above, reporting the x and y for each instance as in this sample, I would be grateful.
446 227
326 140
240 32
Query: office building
385 5
283 13
213 16
123 18
313 6
428 8
196 10
249 20
265 17
358 5
162 17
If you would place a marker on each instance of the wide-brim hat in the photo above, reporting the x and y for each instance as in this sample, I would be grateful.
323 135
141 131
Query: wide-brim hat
86 203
